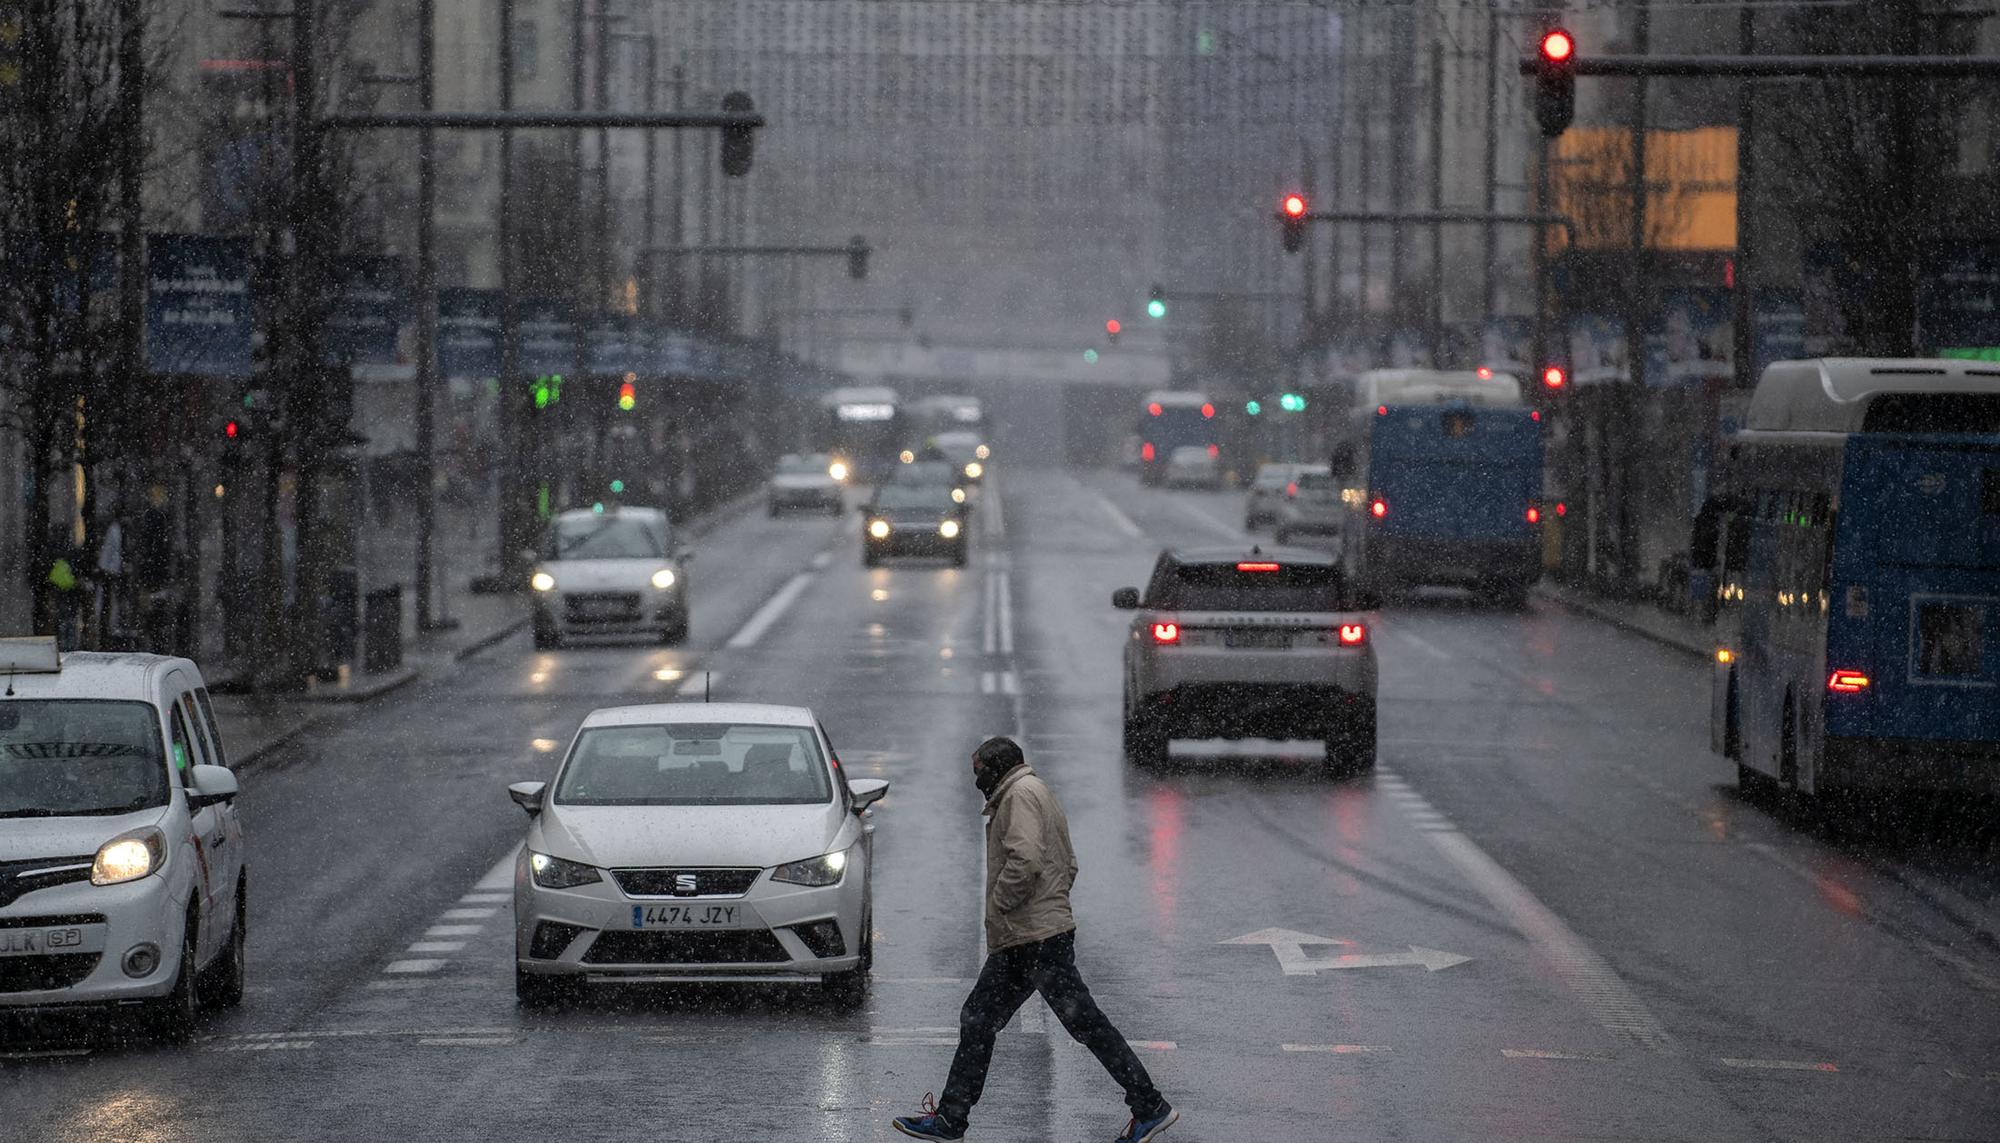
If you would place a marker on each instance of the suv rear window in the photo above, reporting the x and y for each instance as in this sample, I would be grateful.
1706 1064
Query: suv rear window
1222 587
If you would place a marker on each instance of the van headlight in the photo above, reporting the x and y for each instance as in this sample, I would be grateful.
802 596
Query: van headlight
815 873
973 469
542 581
837 470
948 529
879 529
128 857
556 873
663 579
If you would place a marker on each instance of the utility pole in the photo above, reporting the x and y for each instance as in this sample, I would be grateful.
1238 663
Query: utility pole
131 262
1490 175
1309 282
650 284
427 320
306 404
1399 165
1746 180
1618 475
513 522
1437 202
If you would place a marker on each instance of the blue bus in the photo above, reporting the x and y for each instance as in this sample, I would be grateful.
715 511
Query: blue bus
1171 419
1857 528
1442 477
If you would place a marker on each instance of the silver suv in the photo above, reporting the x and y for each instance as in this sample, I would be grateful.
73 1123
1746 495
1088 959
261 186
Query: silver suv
1237 644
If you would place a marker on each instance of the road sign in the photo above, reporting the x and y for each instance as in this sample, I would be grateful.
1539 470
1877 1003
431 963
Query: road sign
1290 948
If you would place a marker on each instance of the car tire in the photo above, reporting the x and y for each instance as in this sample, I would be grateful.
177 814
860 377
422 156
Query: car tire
848 989
1145 741
535 991
1350 749
171 1018
221 985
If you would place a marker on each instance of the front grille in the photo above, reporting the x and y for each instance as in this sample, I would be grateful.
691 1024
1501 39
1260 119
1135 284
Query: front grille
602 606
822 937
734 946
666 882
551 938
51 920
19 878
43 973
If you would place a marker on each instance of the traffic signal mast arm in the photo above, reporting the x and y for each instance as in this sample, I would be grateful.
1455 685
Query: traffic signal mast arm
1927 67
521 120
1435 217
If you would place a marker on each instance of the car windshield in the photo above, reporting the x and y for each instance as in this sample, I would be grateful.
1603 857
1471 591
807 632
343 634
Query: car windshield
605 537
63 757
923 472
1247 585
1273 475
1316 485
891 497
695 764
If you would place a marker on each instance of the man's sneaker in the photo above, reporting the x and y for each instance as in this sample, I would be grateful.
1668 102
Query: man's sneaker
1147 1130
930 1125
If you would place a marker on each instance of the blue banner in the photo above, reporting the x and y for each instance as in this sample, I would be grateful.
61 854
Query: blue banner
198 313
548 336
1693 337
369 310
609 352
468 342
1596 349
1958 302
1779 332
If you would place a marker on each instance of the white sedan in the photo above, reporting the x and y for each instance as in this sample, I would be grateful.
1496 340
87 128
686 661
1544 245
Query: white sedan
695 841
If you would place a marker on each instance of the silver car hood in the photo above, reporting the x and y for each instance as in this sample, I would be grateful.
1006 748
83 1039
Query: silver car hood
621 837
23 839
604 575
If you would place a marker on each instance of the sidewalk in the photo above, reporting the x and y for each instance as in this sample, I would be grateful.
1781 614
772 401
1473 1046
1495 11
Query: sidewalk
1643 619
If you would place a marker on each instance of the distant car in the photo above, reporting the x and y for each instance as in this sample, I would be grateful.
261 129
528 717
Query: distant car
966 451
1267 492
695 841
913 520
1312 507
806 481
122 876
930 470
611 572
1237 643
1192 466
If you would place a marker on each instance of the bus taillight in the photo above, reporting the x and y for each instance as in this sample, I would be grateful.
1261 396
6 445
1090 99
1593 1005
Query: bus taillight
1534 514
1379 508
1847 682
1146 452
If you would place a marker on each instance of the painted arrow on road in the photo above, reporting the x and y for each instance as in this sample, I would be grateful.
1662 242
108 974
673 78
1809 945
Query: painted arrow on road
1290 949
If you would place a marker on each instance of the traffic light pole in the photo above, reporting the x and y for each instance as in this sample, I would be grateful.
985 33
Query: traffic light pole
1762 67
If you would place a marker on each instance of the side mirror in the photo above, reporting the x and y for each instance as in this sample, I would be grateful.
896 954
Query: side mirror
210 785
866 791
528 795
1125 599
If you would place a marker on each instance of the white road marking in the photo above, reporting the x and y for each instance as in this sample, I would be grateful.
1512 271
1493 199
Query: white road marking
773 609
468 913
989 504
913 1041
1010 684
418 964
1546 1054
487 896
1341 1049
401 983
1778 1065
1153 1045
1006 620
986 682
1119 519
989 615
698 684
453 930
466 1041
1420 643
435 946
823 559
260 1046
501 876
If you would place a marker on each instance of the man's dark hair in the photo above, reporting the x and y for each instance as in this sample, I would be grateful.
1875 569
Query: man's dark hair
998 754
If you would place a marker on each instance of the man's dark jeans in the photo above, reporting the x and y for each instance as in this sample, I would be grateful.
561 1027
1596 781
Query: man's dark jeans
1010 977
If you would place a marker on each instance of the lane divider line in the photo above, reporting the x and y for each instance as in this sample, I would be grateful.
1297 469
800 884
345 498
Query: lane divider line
989 616
1779 1065
1119 519
774 609
1341 1049
1005 590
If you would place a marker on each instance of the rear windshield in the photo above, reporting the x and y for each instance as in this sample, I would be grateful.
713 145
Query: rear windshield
63 757
1470 436
605 537
890 497
1316 483
923 472
1222 587
1933 413
695 764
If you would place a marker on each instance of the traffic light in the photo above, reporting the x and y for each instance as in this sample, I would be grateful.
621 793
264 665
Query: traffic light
546 389
1111 329
857 257
1253 408
738 143
628 396
1555 82
1156 302
1553 377
1292 216
1292 402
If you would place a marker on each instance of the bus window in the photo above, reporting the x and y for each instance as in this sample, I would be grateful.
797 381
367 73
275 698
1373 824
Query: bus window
1950 634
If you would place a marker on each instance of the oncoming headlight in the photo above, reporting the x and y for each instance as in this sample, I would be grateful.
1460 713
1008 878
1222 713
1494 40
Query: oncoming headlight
837 470
664 578
542 581
129 857
556 873
814 872
982 452
948 529
973 469
879 529
958 496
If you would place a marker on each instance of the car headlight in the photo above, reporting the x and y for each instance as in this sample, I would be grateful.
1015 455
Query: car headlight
837 470
982 452
948 529
973 469
814 872
129 857
556 873
958 496
664 578
542 581
879 529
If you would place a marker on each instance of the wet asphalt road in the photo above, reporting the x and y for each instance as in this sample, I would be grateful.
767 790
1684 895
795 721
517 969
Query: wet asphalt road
1647 956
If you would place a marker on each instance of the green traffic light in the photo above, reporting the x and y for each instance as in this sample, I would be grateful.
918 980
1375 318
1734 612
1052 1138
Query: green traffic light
1090 356
1157 308
1253 407
1291 402
617 486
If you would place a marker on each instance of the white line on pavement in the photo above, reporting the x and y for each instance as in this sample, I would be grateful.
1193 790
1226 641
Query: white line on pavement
452 930
501 876
986 682
472 913
435 946
1421 644
823 559
1119 519
419 964
1780 1065
1010 684
1005 590
989 615
989 504
773 609
1341 1049
1545 1054
698 684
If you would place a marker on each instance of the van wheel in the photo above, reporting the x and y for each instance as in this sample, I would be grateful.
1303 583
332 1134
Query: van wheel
171 1017
222 985
848 989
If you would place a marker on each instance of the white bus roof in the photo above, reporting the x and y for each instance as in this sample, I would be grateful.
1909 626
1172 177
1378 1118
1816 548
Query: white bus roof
1176 397
861 395
1435 387
1832 394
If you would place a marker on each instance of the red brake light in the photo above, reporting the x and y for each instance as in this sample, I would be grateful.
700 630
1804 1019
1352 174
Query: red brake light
1378 509
1154 408
1847 682
1381 410
1146 451
1166 632
1554 377
1485 374
230 430
1562 509
1292 489
1207 411
1353 634
1534 514
1256 567
1214 450
1535 415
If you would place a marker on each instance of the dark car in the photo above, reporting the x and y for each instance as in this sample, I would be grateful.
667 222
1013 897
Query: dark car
912 520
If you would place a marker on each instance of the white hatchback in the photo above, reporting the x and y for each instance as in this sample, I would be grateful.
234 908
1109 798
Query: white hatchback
610 571
122 878
695 841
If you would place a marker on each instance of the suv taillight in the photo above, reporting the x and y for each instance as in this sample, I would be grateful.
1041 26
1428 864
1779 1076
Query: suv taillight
1353 634
1166 632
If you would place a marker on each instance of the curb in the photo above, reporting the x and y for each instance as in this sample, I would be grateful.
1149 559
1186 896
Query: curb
489 640
1606 615
262 750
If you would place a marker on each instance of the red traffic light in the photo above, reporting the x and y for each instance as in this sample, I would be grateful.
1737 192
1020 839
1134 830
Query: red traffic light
1557 47
1294 205
231 429
1554 377
1112 327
